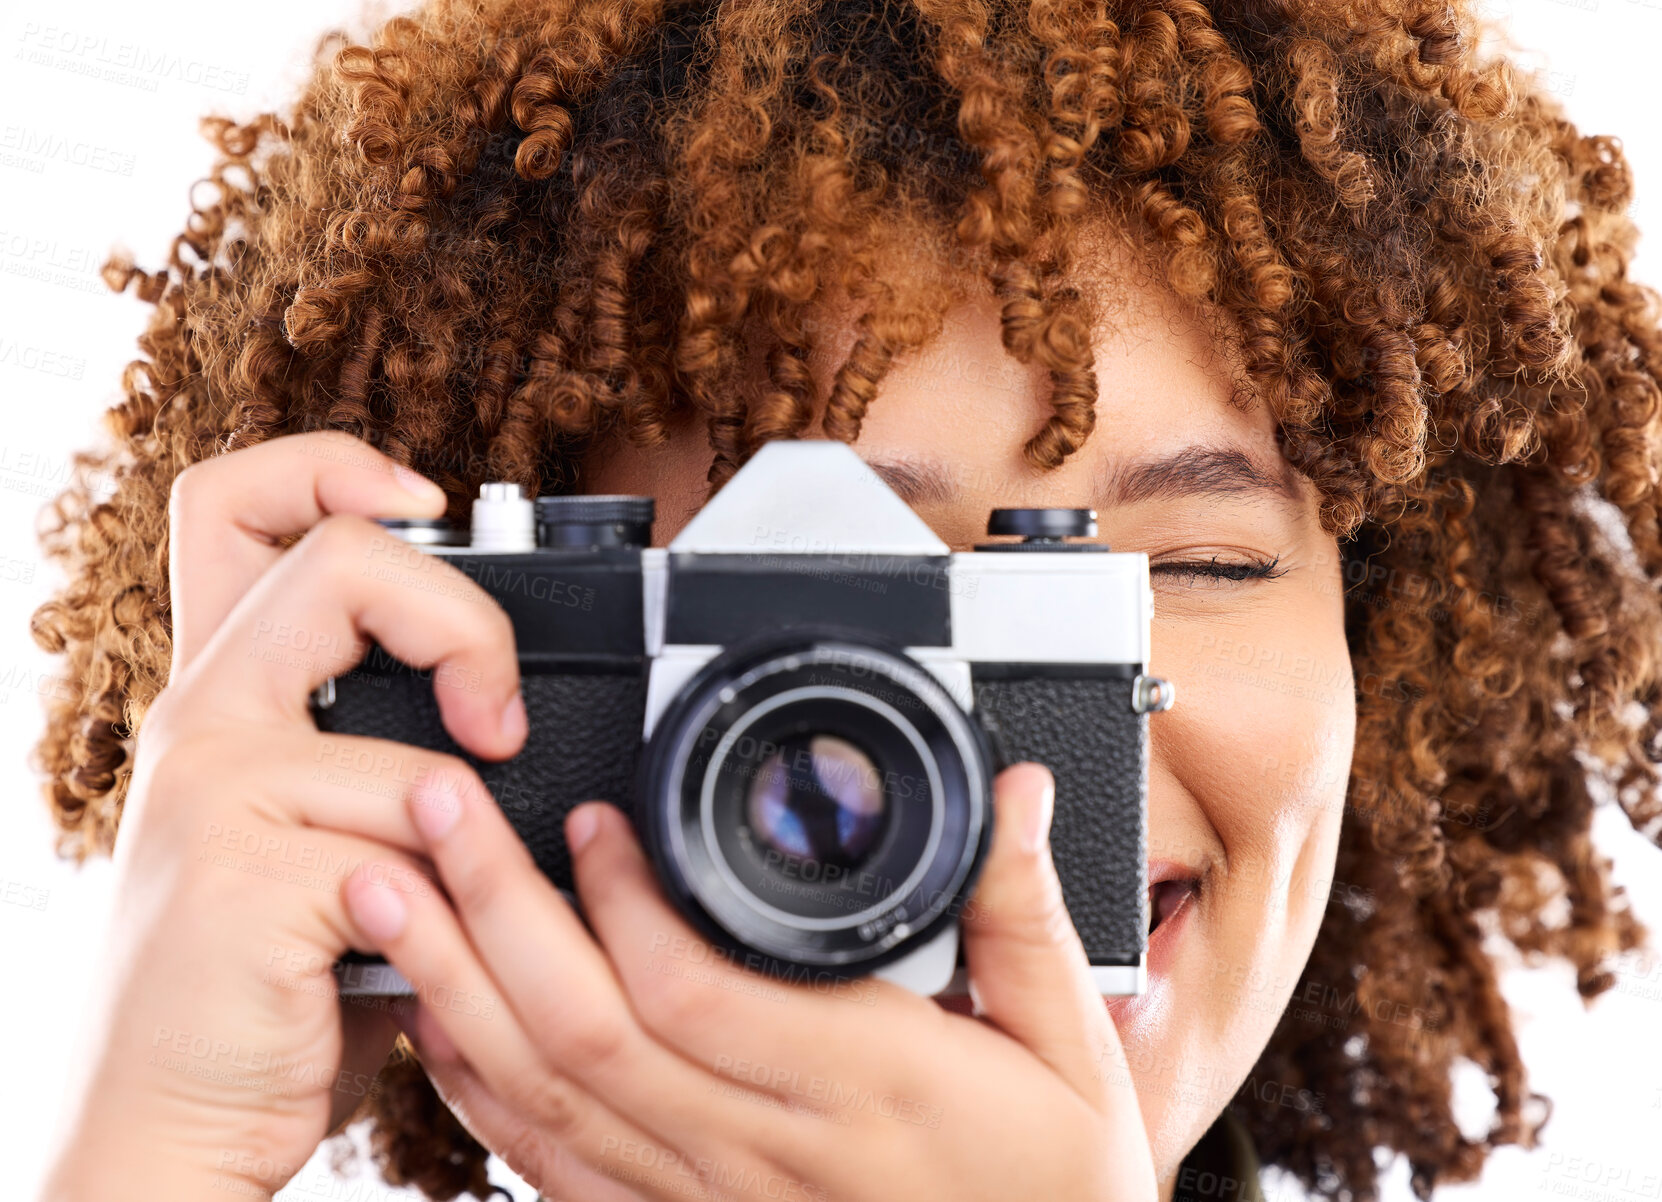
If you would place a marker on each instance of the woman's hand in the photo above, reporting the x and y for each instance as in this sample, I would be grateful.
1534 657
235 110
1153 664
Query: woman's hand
219 1062
633 1063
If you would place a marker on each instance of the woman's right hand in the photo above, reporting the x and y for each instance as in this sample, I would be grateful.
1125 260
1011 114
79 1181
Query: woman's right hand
221 1055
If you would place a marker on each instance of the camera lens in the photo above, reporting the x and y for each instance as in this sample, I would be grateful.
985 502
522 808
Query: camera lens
817 799
816 803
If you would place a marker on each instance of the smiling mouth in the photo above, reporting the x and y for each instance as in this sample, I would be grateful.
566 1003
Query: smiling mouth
1165 898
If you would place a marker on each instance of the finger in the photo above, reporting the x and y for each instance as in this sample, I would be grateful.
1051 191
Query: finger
553 1169
351 783
575 1041
1027 966
346 578
226 515
564 990
707 1005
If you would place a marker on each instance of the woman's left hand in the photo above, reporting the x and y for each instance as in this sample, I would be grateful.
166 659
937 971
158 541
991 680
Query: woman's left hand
638 1063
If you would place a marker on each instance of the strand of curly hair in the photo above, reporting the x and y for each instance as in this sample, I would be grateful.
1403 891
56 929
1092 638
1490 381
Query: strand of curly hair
496 232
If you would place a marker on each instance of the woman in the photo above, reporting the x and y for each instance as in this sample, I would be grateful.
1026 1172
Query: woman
1325 313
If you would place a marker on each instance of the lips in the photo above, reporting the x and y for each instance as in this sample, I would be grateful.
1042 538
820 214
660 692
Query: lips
1165 898
1173 890
1170 886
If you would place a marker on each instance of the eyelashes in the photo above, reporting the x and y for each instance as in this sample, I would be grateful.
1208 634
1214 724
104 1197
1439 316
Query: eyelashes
1214 569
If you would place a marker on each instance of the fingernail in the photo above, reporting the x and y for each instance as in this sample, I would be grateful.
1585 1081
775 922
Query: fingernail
378 911
1036 819
435 809
514 724
416 484
581 827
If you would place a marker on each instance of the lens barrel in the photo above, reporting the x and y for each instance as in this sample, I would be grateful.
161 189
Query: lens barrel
816 800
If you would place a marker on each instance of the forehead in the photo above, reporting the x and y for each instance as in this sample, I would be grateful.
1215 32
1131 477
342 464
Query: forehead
1167 373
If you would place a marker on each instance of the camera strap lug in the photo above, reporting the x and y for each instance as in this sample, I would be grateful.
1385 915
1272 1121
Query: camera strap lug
1151 694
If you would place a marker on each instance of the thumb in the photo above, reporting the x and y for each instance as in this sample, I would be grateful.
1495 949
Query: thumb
1027 967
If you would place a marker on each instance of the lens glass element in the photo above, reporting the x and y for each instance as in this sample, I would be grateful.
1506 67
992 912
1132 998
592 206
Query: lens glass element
818 798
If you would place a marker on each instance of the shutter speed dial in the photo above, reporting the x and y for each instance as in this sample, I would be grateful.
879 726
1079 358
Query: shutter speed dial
1043 529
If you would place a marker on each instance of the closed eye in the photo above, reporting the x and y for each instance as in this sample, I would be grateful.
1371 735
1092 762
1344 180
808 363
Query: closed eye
1215 569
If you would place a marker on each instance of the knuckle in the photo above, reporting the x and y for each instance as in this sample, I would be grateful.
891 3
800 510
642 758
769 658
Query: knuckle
481 627
449 777
474 887
483 634
178 767
160 718
334 537
455 777
1044 923
189 487
555 1106
493 623
522 1150
669 1005
527 1148
341 547
592 1043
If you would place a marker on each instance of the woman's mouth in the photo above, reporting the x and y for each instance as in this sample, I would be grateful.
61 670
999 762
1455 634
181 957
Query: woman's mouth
1172 893
1166 897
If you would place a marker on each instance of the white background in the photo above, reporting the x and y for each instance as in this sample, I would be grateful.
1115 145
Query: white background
98 109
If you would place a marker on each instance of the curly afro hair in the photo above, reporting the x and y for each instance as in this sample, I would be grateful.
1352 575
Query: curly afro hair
495 233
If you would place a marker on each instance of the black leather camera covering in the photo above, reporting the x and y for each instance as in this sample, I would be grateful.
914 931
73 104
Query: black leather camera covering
1085 731
584 744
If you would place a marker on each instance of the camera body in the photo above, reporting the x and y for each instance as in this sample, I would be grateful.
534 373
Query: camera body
802 701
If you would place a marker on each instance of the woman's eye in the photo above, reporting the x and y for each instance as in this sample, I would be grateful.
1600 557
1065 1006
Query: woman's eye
1195 571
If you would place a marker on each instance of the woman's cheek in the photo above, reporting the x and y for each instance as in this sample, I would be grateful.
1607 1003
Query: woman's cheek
1308 725
1261 738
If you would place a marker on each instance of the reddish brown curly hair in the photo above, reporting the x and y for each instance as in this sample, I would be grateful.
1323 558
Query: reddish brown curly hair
502 232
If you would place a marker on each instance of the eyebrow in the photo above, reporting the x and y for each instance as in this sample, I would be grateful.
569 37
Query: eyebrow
1193 471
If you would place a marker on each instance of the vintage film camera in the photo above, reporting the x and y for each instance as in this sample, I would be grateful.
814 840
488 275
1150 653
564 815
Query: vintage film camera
802 700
